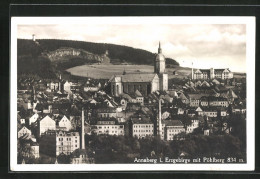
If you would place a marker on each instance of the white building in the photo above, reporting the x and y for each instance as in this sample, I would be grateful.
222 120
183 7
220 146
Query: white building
172 128
109 127
194 124
67 86
212 74
142 127
24 131
46 124
54 143
65 123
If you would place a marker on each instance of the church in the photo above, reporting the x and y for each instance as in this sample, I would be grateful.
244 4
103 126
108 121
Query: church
145 83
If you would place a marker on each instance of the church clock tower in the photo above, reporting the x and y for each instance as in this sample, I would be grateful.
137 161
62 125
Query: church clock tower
159 68
159 61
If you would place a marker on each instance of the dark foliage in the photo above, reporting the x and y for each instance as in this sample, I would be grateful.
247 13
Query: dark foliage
119 52
120 149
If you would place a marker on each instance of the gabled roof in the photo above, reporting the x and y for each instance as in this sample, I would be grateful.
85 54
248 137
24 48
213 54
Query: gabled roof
76 153
182 97
106 110
204 83
124 95
137 77
172 123
138 94
231 94
195 95
142 119
47 118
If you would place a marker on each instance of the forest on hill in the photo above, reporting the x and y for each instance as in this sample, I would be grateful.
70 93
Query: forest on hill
31 55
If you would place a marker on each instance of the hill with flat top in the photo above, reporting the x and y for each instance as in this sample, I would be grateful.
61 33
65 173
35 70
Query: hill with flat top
45 56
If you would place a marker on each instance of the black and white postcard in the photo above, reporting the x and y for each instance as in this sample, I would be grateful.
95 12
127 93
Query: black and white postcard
132 93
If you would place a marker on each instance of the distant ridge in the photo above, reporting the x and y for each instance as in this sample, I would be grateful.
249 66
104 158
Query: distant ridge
117 53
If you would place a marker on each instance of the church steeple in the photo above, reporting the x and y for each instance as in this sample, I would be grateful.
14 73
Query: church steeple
159 49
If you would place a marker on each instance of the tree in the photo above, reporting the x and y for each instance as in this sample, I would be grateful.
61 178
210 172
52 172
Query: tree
63 159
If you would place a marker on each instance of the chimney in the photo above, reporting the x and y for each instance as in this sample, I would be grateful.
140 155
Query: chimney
82 131
33 37
50 108
34 94
192 73
160 119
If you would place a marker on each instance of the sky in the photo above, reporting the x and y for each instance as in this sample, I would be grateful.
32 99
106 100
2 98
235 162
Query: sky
203 45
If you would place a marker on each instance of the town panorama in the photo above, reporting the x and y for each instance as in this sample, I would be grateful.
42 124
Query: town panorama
132 117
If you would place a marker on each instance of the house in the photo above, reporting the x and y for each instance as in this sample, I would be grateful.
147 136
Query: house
46 124
231 96
142 126
109 126
194 99
54 143
64 122
181 111
206 132
172 128
31 145
35 149
205 84
183 98
91 87
212 73
199 111
22 121
27 104
106 112
23 131
138 98
218 101
238 109
204 101
210 112
80 156
165 115
67 86
53 85
194 124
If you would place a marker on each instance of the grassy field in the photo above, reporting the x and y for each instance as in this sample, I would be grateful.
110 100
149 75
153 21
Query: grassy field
103 71
106 71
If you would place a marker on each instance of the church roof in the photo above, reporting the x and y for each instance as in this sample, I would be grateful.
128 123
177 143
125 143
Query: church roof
137 77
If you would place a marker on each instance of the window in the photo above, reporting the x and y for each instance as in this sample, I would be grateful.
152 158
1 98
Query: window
75 145
76 141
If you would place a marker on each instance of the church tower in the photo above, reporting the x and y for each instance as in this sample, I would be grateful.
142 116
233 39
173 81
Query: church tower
159 68
159 61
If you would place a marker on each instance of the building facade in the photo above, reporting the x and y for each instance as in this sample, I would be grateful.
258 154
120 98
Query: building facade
109 127
23 132
54 143
212 74
142 127
46 124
